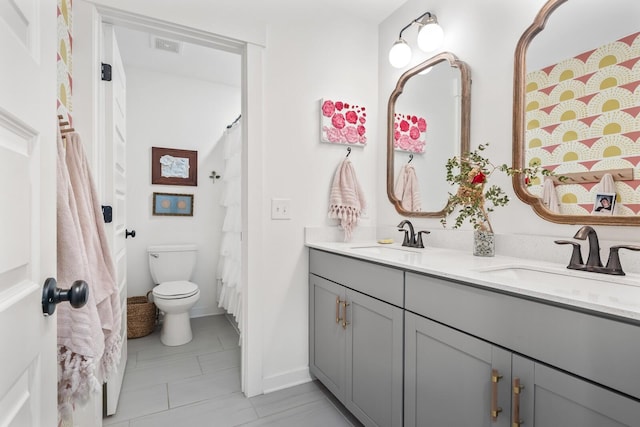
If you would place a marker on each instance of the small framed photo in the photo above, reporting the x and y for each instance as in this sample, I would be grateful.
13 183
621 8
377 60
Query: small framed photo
604 204
170 204
170 166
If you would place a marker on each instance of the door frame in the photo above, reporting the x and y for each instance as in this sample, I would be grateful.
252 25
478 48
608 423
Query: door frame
87 100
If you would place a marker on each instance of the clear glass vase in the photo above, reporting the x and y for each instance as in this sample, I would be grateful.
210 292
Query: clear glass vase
484 243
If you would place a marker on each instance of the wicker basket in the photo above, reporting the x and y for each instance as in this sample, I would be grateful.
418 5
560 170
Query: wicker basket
141 316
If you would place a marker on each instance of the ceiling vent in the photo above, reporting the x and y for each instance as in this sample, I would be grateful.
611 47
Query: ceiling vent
167 45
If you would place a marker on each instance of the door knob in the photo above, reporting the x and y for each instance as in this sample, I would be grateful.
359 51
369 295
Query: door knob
77 295
128 233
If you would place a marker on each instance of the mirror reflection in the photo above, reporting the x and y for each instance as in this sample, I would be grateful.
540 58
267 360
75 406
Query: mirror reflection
578 110
428 118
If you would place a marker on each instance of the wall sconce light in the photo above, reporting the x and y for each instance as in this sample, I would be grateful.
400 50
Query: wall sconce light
430 38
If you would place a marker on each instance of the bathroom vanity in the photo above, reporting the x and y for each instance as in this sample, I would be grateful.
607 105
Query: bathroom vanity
437 337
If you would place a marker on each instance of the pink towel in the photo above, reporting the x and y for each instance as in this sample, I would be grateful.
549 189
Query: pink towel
346 200
88 337
407 189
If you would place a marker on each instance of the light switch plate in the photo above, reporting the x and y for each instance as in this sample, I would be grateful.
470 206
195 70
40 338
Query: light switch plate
280 208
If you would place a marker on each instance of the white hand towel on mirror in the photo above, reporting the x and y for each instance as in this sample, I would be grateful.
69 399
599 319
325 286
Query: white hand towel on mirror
549 195
346 200
407 189
607 184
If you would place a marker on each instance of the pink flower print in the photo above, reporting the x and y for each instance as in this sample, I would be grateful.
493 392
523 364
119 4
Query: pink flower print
328 108
396 135
363 139
337 120
351 134
418 146
339 105
414 132
346 105
351 117
362 120
404 125
414 119
333 134
422 124
361 130
404 142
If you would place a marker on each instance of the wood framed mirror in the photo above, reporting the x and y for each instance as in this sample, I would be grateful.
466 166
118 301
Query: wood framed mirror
577 110
427 123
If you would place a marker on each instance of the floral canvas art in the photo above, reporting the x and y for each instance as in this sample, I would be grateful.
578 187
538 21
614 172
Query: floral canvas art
409 133
342 122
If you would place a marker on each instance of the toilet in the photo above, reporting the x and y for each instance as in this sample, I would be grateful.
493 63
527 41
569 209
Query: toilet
171 268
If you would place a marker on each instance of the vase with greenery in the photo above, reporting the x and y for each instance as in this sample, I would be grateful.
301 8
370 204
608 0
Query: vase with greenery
475 199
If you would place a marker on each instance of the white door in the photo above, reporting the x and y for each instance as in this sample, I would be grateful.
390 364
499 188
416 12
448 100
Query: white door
27 211
115 187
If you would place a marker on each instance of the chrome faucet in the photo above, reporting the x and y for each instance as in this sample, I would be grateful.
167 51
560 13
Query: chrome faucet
594 264
411 240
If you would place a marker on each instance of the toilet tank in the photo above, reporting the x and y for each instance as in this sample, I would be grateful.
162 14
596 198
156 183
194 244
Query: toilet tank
171 262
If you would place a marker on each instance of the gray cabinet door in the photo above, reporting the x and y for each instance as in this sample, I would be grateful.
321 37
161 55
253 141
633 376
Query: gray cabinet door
552 398
374 360
448 377
326 334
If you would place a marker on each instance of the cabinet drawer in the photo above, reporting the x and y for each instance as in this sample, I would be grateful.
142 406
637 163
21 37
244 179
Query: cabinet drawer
371 279
597 348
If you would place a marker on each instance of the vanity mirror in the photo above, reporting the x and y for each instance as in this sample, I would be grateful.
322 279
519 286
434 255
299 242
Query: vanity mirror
427 123
577 110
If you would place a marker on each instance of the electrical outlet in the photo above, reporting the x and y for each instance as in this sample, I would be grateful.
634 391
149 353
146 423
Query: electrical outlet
280 208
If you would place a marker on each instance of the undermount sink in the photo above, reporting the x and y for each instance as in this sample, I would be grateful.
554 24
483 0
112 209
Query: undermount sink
586 286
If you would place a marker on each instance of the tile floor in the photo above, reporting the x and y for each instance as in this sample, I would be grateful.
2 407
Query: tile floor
198 384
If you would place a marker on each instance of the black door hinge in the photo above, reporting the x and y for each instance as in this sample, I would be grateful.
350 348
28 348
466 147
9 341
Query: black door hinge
107 213
106 72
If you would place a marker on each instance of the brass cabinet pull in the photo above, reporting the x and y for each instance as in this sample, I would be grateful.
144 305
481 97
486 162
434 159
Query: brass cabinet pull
495 410
338 319
344 314
517 388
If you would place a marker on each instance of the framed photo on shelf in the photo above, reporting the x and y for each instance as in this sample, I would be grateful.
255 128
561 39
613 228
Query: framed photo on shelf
170 204
604 204
171 166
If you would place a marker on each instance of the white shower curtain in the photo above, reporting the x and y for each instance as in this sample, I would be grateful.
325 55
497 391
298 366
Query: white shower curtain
230 297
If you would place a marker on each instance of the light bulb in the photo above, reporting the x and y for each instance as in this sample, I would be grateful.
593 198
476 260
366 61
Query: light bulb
430 36
400 54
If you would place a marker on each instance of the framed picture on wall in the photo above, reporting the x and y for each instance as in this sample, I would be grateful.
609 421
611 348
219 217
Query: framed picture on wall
171 166
170 204
604 204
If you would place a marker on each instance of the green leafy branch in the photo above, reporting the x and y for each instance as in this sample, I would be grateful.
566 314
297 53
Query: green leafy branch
473 199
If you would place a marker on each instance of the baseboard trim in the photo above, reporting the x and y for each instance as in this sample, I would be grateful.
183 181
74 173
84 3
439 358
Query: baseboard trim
286 380
206 311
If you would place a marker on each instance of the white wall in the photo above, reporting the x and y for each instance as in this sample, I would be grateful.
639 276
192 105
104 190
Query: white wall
165 110
333 58
483 34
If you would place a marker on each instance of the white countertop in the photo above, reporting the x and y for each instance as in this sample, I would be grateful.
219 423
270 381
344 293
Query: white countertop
617 296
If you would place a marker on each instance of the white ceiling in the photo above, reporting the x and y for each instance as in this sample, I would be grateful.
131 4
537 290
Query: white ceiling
194 61
217 66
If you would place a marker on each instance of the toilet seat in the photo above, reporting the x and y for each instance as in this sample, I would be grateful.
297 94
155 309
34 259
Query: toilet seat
175 290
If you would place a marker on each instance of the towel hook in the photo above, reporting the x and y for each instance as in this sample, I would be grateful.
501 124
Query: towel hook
410 158
348 151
